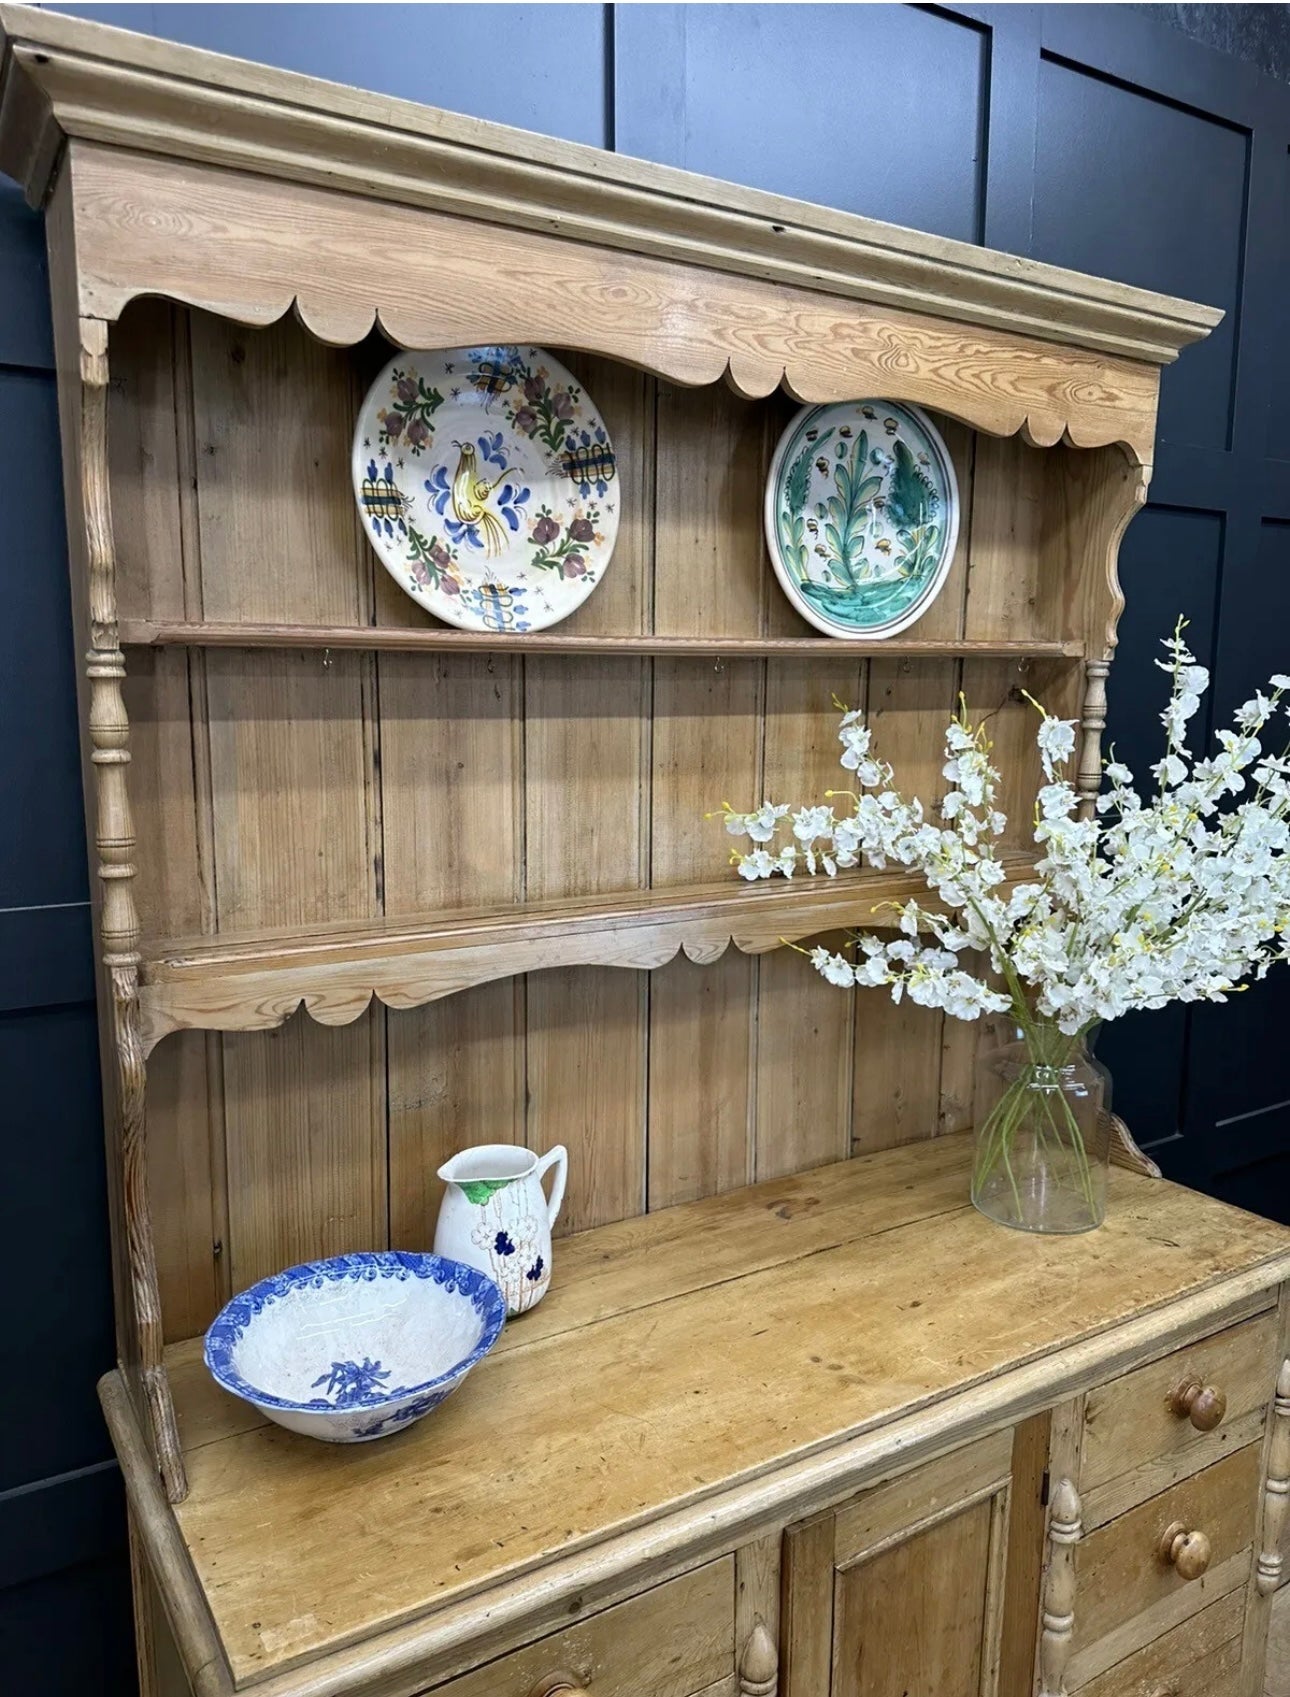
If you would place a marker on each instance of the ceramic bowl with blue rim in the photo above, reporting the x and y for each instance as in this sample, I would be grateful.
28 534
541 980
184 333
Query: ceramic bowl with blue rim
358 1346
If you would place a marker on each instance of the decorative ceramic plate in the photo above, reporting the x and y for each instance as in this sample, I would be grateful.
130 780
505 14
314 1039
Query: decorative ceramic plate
487 481
862 514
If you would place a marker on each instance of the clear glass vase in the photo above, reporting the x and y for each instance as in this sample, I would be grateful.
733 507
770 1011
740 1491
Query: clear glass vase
1042 1137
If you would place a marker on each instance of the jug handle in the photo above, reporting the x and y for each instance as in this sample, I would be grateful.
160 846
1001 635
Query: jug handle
559 1159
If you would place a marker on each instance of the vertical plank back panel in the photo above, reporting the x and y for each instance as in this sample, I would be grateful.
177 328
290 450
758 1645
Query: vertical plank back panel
710 577
451 742
805 1026
451 748
305 1117
586 1026
587 1068
702 1076
143 443
164 695
910 1069
587 748
456 1077
898 1046
452 765
273 418
300 787
143 438
291 734
1006 598
292 756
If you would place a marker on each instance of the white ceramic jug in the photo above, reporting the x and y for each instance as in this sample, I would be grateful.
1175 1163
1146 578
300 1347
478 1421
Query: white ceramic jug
495 1216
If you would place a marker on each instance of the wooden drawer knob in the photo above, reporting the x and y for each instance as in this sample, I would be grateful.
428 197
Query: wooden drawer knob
1203 1405
1186 1552
559 1684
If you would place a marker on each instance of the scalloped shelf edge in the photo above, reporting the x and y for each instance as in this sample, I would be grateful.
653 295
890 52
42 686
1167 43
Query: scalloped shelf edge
226 985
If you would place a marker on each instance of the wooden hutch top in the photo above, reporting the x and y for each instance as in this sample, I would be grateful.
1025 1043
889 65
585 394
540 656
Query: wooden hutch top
251 193
651 253
189 194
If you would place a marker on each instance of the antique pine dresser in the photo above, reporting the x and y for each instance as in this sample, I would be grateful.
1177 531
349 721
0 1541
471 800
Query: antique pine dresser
794 1419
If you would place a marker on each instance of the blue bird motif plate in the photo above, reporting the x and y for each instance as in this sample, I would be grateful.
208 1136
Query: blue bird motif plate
862 516
488 485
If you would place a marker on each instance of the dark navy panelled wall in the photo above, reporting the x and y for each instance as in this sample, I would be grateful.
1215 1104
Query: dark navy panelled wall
1095 137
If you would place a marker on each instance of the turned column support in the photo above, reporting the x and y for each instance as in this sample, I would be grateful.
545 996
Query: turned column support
1057 1623
1276 1489
114 845
1092 723
759 1665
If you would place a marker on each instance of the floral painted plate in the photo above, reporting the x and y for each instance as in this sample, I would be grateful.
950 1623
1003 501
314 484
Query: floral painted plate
862 515
487 481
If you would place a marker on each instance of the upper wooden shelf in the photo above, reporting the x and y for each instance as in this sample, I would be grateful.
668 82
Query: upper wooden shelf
440 639
255 982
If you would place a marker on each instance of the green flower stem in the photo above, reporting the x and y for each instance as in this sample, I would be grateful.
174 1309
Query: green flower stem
1035 1101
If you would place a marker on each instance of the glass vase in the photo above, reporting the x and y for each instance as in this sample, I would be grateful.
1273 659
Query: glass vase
1042 1138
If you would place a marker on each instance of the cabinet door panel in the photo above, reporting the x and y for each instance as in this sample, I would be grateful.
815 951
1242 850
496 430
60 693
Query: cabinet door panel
911 1622
899 1592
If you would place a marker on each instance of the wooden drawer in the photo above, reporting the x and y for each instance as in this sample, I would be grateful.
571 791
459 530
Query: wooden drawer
1200 1658
1126 1595
674 1641
1136 1429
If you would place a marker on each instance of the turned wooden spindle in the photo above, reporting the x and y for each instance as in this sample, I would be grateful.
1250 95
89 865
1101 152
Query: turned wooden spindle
1058 1620
1187 1551
114 843
1276 1489
1092 723
759 1665
1204 1405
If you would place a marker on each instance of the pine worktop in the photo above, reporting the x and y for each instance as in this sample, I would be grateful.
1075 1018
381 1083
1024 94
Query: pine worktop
682 1375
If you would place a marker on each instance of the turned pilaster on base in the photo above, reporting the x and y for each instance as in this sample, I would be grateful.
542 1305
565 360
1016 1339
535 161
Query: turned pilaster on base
114 844
759 1665
1057 1622
1276 1489
1092 723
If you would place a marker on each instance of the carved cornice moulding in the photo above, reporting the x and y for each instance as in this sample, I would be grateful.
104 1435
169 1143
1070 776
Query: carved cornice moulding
62 79
252 250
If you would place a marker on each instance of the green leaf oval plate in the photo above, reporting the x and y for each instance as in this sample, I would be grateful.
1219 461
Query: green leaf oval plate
862 515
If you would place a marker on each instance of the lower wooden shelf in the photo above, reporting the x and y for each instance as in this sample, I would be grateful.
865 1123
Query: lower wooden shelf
696 1378
254 982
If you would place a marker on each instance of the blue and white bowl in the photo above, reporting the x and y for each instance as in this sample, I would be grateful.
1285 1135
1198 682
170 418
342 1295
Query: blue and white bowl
358 1346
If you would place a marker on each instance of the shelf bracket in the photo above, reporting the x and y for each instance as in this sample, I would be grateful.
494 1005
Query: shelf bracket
1125 1151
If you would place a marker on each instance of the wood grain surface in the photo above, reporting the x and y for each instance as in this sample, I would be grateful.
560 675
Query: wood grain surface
331 818
775 1275
433 281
